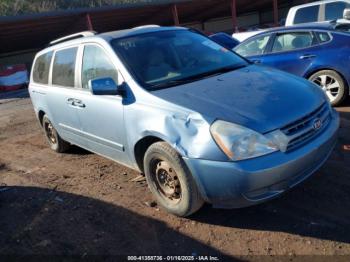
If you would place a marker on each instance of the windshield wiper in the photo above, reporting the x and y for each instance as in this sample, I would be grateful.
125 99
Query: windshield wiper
194 78
215 72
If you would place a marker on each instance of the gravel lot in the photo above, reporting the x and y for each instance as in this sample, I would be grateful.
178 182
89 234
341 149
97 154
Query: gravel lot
81 204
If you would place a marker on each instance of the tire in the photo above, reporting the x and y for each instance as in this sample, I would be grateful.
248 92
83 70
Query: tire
185 198
55 141
327 78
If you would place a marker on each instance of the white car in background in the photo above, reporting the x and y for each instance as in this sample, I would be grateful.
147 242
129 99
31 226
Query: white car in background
319 11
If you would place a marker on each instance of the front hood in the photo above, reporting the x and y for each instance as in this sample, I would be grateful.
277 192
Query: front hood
257 97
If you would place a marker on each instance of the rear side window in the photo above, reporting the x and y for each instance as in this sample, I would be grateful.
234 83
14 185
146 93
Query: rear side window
253 47
96 64
335 10
41 68
292 41
323 37
307 14
63 70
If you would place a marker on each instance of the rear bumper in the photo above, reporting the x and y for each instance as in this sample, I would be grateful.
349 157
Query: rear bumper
249 182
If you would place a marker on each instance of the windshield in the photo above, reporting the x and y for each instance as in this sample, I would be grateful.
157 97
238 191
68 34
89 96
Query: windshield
167 58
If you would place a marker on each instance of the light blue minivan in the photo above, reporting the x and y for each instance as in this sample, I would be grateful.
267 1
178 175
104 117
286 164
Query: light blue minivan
202 123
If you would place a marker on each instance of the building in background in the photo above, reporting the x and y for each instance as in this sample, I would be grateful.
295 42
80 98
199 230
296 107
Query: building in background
22 36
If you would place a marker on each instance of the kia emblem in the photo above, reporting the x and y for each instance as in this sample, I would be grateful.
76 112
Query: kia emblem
317 124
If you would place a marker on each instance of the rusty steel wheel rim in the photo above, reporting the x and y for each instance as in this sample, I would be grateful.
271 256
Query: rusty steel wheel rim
50 133
166 181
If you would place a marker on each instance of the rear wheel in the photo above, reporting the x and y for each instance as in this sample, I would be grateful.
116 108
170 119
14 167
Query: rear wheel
332 84
55 141
170 181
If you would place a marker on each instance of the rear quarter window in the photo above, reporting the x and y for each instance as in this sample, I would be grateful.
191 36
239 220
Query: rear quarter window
323 37
307 14
41 68
63 70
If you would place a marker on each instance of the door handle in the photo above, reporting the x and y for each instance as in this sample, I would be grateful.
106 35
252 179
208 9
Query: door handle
78 103
75 102
307 56
70 101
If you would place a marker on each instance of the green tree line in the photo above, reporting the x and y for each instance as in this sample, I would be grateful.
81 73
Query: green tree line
18 7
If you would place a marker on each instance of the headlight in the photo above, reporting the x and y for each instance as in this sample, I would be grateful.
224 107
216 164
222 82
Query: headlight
240 143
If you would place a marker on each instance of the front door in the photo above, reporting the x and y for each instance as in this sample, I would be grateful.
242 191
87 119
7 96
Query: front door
101 117
255 48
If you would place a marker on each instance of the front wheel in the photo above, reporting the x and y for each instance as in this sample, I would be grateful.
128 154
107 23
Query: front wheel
170 181
332 84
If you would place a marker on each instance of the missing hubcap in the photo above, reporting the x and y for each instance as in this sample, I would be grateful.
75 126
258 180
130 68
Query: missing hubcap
167 181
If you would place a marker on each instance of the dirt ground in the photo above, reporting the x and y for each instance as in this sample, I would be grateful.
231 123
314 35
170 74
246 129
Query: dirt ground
81 204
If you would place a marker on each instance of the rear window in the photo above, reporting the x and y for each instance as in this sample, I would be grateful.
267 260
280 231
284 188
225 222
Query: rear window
292 41
307 14
335 10
41 68
63 70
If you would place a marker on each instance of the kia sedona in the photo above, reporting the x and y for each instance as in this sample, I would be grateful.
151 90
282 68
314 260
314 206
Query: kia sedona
202 123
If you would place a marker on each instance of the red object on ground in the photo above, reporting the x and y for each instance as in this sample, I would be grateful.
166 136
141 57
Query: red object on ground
13 77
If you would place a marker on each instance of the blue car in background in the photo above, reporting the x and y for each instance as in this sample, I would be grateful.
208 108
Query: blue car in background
319 52
225 40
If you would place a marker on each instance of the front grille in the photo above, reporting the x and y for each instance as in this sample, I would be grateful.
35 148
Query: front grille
301 131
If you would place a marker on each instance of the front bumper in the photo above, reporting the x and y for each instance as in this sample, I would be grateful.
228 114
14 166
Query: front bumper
249 182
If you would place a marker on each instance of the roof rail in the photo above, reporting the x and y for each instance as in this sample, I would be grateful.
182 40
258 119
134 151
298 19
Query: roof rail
73 36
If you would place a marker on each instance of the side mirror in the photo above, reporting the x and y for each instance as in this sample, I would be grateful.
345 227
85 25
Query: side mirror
103 86
346 14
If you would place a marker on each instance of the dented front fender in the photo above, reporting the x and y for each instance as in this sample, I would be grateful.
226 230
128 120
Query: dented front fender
187 132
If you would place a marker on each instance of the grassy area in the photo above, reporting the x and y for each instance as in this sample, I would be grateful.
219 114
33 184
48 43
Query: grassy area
18 7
